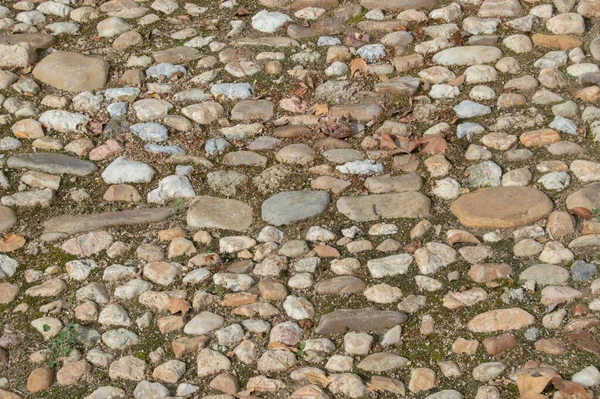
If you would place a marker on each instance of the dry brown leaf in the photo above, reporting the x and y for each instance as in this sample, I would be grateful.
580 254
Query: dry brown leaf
276 345
531 387
582 212
407 145
387 142
300 91
455 236
357 64
11 242
384 78
320 109
318 379
457 81
178 305
374 388
433 144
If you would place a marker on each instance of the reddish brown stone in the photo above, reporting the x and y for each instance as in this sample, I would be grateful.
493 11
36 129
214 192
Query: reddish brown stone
499 344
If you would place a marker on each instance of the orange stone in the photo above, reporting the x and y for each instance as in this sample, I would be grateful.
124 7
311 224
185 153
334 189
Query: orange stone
560 42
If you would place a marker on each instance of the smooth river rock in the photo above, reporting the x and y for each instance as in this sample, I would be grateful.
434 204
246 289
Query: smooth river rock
502 207
293 206
52 163
72 72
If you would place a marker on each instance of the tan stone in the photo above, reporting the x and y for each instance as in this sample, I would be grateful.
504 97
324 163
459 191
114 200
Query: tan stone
169 234
560 224
588 197
9 395
39 380
122 193
560 42
541 137
486 272
8 292
465 346
170 323
502 207
239 299
72 72
73 372
551 346
226 383
421 379
501 320
499 344
590 94
186 345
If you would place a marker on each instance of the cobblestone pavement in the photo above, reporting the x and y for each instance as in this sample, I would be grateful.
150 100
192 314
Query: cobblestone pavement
300 199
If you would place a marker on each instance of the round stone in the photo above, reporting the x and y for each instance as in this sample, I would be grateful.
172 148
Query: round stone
502 207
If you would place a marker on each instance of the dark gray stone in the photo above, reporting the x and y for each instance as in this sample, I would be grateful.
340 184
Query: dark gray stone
368 319
52 163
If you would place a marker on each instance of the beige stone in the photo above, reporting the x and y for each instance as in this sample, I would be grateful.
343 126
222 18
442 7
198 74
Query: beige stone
72 72
502 207
501 320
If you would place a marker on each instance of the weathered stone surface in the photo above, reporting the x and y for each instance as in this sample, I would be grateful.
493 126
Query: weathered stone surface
501 207
52 163
71 71
367 319
293 206
588 197
469 55
81 223
501 320
385 206
220 213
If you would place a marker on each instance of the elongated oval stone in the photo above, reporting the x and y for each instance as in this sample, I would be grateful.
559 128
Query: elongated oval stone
502 207
501 320
385 206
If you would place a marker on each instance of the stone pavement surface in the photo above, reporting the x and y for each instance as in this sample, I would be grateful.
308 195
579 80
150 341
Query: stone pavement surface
301 199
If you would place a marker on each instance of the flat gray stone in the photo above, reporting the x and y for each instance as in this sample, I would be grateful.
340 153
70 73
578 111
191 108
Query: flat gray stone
293 206
545 274
176 55
367 319
220 213
385 206
69 224
52 163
